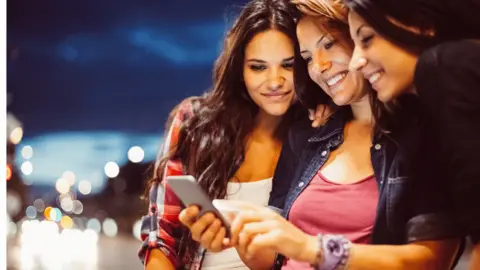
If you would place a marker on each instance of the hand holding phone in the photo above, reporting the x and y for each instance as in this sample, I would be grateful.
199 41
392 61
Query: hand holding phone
191 193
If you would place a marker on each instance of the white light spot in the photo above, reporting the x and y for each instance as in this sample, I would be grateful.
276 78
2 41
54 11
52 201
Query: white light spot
67 204
85 187
112 169
110 227
69 176
136 229
27 168
62 186
77 207
136 154
27 152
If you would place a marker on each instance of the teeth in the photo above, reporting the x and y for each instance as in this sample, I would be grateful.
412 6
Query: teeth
336 79
374 77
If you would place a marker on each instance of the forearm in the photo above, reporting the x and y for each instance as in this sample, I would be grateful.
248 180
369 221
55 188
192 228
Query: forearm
411 256
157 260
475 261
435 255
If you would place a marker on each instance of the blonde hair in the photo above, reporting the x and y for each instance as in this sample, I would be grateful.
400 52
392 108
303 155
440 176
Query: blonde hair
329 9
332 16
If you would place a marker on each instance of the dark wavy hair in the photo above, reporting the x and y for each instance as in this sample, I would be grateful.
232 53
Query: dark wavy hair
212 142
436 21
332 18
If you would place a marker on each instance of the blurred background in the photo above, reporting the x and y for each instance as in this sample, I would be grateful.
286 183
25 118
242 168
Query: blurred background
90 85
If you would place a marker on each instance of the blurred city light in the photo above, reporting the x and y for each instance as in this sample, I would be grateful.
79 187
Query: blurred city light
136 230
16 135
136 154
70 177
31 212
66 222
27 152
85 187
62 186
110 228
77 207
27 168
67 204
9 172
94 225
112 169
39 205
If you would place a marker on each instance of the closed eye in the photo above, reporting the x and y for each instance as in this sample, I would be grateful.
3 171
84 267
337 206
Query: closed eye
257 67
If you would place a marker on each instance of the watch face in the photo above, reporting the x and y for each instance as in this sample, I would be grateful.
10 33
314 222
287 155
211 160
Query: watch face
335 247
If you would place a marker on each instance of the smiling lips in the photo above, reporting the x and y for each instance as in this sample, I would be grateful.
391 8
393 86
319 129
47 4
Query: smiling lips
277 96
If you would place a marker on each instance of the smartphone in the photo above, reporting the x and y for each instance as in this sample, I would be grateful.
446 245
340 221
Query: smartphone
190 192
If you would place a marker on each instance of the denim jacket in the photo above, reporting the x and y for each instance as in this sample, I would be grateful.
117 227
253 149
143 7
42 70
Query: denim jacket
410 208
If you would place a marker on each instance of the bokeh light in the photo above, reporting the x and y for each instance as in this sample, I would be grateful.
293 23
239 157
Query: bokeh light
39 205
47 211
27 152
62 186
27 168
70 177
9 172
112 169
66 222
94 225
110 228
85 187
77 207
31 212
16 135
136 154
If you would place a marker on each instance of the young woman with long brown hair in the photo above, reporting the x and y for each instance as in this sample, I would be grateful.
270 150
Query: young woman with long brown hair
229 139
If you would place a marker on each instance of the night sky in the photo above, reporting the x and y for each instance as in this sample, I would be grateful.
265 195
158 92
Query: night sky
109 65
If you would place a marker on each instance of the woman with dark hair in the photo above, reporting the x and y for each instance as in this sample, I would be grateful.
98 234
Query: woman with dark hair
229 139
355 180
431 49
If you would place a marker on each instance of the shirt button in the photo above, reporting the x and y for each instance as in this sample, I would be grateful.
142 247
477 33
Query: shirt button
378 146
301 184
324 153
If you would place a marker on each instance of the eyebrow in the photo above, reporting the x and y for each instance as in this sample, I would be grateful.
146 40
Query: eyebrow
254 60
359 29
316 43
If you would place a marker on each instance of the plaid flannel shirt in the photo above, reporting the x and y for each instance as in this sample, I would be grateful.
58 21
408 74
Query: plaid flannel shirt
161 227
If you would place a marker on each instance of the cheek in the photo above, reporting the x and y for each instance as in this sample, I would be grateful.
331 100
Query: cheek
252 81
315 76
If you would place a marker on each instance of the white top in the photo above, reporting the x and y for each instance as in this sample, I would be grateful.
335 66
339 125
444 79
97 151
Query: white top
258 193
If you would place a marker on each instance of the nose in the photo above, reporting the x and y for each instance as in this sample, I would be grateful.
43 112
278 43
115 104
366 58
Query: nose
321 63
358 60
275 80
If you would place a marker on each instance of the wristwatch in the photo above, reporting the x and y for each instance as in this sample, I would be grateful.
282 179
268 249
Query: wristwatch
333 252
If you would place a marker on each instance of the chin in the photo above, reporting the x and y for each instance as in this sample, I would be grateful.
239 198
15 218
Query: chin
276 111
385 95
342 100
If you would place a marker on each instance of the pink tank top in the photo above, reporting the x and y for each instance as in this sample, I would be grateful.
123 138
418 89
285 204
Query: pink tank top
329 208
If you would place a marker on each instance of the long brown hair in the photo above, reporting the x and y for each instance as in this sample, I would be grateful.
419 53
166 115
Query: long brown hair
212 141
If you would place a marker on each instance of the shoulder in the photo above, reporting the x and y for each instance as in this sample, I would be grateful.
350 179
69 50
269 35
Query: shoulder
453 53
302 130
451 68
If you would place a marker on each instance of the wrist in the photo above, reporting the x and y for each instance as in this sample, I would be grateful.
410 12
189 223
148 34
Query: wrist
313 250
